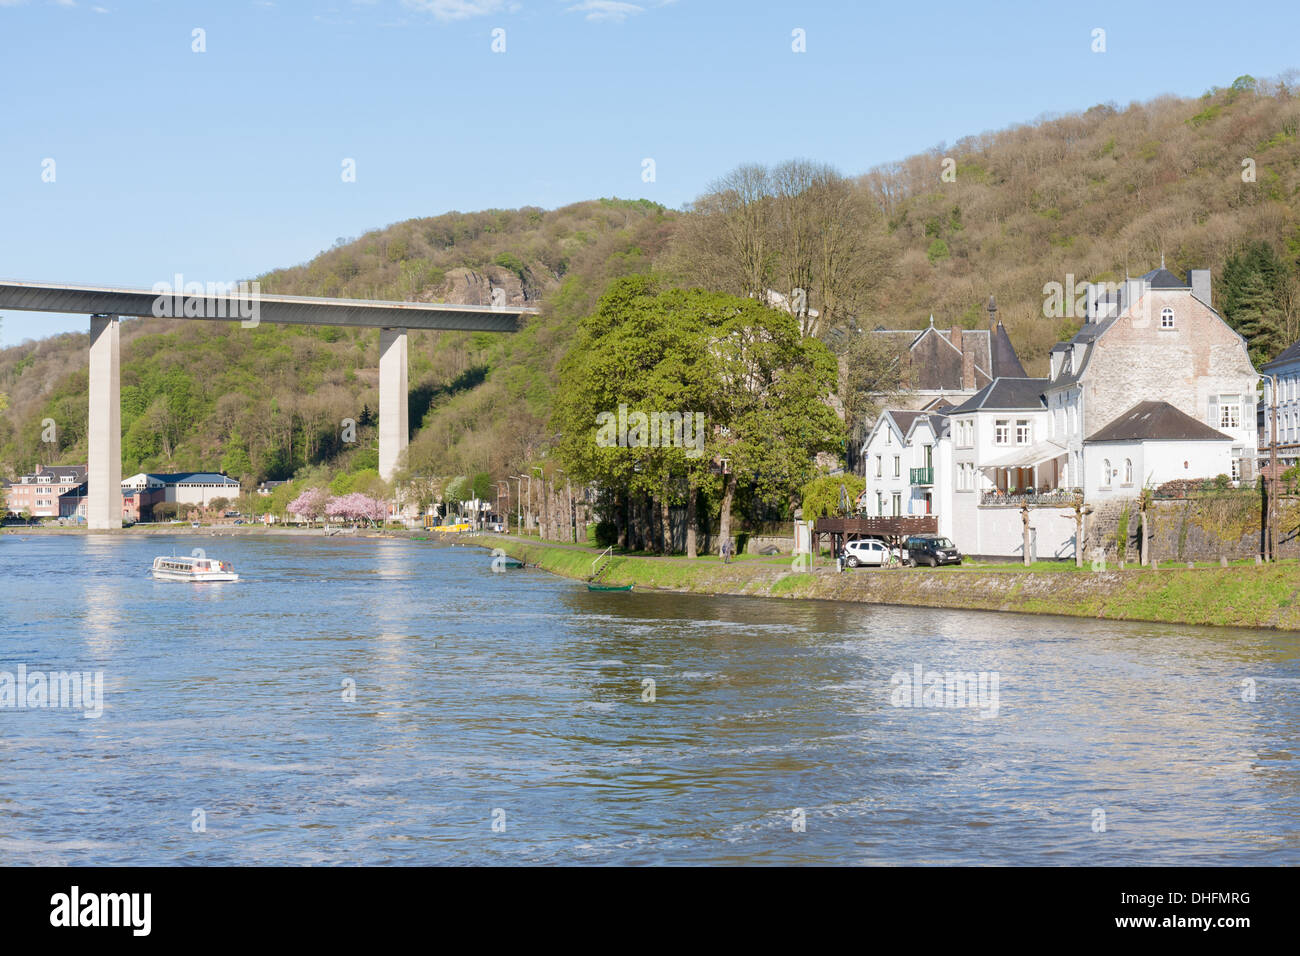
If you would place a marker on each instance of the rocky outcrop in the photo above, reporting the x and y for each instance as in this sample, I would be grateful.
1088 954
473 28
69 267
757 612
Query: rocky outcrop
475 287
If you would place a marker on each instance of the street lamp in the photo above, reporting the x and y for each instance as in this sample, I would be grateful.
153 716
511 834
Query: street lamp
542 478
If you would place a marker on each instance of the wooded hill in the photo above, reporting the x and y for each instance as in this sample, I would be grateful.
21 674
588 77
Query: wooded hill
1097 195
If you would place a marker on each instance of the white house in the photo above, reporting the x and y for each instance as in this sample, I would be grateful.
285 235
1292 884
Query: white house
1004 460
1152 443
943 366
907 460
1286 370
1155 386
1155 339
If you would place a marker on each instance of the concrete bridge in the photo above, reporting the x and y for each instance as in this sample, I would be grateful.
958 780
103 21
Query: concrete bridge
106 306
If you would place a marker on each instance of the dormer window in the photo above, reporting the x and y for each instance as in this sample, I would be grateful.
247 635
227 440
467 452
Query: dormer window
1166 318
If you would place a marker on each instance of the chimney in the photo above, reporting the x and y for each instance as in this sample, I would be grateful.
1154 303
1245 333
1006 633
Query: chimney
967 371
993 314
1199 280
955 337
1091 314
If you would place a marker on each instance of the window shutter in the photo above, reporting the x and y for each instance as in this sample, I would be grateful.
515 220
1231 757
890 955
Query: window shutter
1214 411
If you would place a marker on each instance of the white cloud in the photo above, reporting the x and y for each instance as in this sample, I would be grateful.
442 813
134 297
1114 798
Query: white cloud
455 9
606 9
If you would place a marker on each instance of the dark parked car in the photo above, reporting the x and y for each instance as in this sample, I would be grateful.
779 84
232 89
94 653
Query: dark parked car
931 549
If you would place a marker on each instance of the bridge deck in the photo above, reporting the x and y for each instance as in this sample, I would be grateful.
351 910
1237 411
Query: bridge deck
273 309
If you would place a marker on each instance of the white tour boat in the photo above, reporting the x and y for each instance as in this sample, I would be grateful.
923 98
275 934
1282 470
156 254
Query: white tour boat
193 569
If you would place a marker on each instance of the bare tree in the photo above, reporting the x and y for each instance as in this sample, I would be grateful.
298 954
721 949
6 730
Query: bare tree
726 244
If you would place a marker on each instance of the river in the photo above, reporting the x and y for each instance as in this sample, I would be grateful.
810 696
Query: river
382 701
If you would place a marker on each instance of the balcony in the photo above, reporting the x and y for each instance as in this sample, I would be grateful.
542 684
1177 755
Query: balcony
922 476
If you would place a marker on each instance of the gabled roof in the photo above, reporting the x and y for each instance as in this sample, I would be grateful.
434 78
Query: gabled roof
1157 421
1290 354
1020 394
941 367
903 419
904 422
938 424
63 472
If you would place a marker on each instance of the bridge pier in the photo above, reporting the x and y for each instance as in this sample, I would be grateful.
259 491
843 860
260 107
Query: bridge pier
394 401
104 441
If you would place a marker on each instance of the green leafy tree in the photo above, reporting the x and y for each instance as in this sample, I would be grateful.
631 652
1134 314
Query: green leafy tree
759 386
236 461
821 496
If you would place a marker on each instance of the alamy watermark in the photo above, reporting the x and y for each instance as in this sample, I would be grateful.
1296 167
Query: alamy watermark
212 300
39 690
654 430
1097 300
946 690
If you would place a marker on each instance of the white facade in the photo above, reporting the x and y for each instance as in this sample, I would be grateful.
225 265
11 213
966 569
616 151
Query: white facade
907 460
1286 369
187 488
1122 469
202 489
141 482
1156 339
1154 387
994 441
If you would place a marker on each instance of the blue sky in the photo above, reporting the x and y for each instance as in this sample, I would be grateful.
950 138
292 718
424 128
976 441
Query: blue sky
223 164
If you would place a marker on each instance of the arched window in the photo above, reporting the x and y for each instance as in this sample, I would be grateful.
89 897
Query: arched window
1105 473
1166 318
1128 471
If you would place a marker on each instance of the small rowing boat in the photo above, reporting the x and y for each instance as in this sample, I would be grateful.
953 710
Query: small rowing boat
608 587
193 569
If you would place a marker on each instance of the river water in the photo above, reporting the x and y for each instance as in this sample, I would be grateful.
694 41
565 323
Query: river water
503 718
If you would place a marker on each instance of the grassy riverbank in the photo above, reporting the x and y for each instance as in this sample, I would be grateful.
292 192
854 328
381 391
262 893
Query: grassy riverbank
1241 595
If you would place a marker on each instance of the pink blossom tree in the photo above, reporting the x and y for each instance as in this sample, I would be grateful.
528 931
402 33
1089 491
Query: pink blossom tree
309 505
357 507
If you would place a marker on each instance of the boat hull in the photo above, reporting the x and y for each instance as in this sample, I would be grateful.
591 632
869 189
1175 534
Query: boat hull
198 577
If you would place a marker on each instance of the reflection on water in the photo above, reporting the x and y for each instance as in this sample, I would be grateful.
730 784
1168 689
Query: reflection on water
521 692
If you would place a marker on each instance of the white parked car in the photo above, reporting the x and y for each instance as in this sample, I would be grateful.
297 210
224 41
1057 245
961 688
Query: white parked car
870 552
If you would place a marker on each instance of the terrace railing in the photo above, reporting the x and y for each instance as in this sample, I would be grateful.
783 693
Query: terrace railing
1053 498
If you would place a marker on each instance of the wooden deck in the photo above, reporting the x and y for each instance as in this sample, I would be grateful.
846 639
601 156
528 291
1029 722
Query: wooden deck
891 529
878 526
